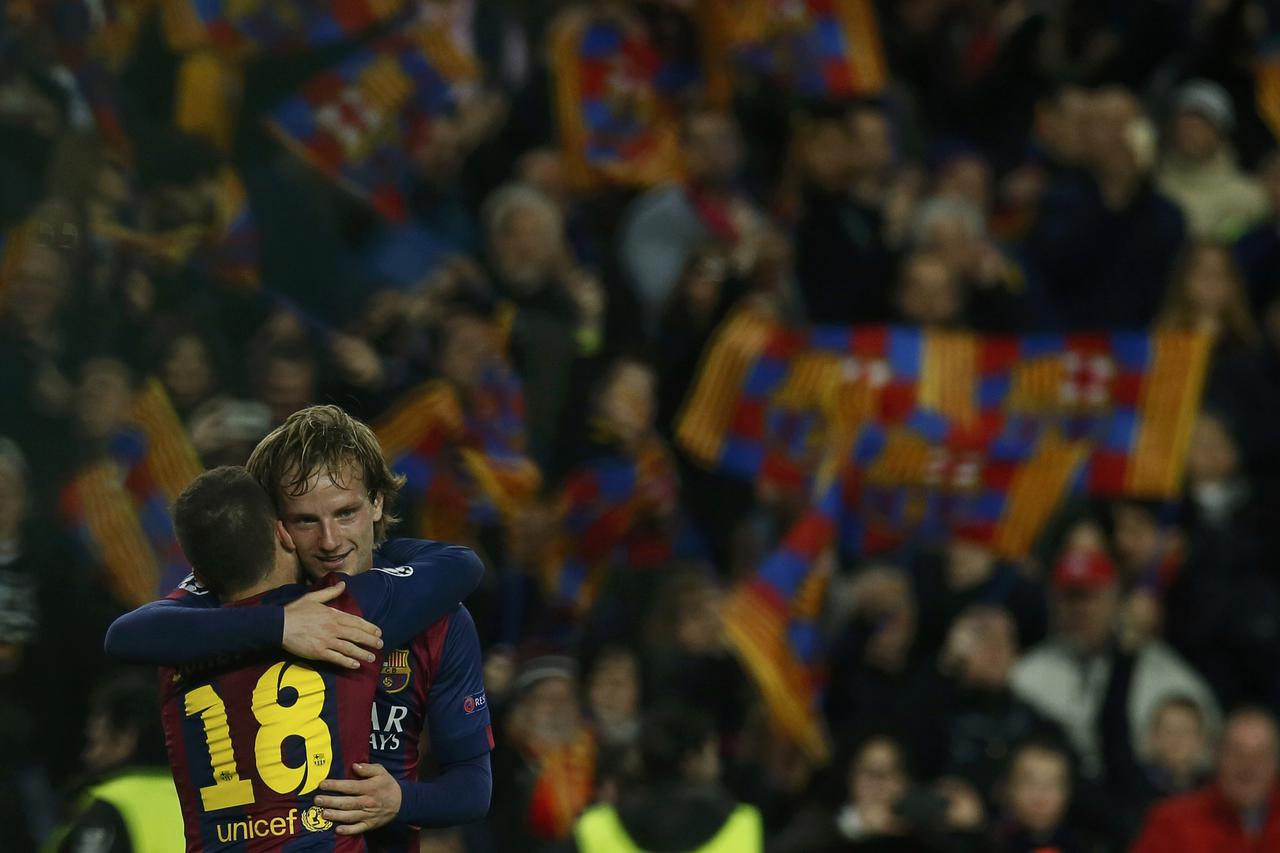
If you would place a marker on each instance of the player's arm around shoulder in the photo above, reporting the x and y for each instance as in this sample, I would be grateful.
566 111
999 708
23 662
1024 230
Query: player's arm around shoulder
188 626
405 599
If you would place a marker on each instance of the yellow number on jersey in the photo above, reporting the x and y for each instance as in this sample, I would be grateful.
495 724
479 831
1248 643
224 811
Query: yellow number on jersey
228 789
301 719
278 723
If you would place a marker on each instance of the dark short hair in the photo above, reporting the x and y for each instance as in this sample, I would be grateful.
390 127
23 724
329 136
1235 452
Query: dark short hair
225 523
669 737
129 702
1045 742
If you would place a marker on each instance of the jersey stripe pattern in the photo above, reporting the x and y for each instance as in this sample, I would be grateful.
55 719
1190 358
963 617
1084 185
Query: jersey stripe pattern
250 740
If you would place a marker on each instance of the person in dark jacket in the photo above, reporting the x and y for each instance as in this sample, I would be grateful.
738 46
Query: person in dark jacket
1104 241
983 721
131 804
845 259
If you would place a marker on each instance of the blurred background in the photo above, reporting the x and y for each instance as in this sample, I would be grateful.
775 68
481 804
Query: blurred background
866 411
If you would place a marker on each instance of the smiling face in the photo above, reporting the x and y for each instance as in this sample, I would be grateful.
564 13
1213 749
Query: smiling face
332 523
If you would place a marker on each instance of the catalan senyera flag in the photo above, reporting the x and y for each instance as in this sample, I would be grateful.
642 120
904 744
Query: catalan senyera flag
97 508
267 26
769 400
496 454
417 437
463 458
613 512
771 623
120 507
905 484
157 461
616 125
358 122
1120 404
821 49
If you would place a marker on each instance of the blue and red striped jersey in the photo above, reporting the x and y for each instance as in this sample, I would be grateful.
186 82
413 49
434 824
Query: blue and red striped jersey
433 686
431 681
251 738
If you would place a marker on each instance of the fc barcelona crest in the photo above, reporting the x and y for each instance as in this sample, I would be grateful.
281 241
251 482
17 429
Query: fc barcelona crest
395 671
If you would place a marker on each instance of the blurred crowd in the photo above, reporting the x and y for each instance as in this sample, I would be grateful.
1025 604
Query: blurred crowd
1029 166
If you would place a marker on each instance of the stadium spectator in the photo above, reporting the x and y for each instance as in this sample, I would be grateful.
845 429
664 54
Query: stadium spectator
662 228
687 658
677 803
546 776
878 679
1222 611
614 697
1102 241
984 720
1178 755
1217 485
955 229
705 293
1208 295
928 292
1199 171
560 308
286 378
1257 250
45 616
1239 810
130 804
1037 797
946 581
188 370
877 778
1100 693
37 352
845 246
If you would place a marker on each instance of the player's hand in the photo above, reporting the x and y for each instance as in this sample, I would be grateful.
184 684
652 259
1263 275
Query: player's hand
368 802
315 631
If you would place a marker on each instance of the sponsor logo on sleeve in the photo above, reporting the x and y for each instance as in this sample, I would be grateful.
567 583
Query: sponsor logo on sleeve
474 702
395 571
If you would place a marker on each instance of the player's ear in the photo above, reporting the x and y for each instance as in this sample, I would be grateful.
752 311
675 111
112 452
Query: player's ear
376 500
286 541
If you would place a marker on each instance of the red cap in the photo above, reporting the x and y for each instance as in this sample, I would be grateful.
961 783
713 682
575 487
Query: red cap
1083 569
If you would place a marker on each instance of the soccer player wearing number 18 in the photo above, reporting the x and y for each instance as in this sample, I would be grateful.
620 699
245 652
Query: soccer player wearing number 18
251 738
333 493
